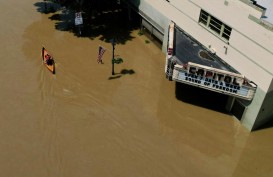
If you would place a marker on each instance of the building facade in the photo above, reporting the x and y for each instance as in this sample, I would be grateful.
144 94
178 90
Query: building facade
231 32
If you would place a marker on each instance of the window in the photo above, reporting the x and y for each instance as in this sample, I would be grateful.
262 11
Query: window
215 25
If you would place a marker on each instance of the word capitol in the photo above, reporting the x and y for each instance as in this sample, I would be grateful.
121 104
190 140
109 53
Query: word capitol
214 80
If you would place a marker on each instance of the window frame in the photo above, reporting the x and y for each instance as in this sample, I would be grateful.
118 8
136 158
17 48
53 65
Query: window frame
214 25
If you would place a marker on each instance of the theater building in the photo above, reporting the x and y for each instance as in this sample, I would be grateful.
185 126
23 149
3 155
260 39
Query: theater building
225 46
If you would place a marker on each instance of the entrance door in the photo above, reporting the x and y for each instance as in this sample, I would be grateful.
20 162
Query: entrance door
201 97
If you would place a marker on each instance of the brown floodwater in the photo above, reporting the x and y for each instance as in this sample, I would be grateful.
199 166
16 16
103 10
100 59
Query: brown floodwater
84 122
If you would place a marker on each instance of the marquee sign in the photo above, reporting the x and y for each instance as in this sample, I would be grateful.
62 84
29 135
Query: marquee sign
211 78
214 79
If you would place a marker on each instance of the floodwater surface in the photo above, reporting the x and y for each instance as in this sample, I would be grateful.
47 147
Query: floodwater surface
84 122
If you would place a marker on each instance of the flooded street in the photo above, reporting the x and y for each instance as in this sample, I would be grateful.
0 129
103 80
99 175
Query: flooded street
84 122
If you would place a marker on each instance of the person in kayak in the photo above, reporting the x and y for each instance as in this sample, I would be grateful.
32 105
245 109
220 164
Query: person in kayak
49 59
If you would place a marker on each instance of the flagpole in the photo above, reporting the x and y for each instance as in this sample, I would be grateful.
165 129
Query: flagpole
113 55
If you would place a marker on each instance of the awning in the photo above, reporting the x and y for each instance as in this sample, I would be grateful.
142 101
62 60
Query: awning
187 49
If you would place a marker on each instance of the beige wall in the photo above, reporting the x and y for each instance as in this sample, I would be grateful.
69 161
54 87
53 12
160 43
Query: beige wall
266 111
250 48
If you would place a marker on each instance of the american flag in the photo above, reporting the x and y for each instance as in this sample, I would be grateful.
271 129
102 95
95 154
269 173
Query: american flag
101 52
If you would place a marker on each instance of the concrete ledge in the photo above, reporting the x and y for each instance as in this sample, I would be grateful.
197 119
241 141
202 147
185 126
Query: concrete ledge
253 4
261 22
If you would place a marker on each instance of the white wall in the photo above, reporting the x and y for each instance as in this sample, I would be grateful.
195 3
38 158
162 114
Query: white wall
250 48
251 45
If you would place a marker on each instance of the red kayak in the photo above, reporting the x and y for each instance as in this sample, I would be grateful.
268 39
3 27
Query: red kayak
48 60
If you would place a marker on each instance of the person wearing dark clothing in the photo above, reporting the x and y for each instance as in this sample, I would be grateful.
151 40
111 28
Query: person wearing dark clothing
49 60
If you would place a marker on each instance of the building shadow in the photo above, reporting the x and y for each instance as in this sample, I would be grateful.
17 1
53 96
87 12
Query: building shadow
122 73
103 19
201 97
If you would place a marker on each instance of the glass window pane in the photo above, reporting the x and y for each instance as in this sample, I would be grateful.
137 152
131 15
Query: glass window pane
204 21
227 30
216 22
217 30
225 36
223 30
203 17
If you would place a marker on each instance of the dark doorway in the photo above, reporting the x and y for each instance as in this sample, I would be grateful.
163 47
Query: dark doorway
201 97
238 109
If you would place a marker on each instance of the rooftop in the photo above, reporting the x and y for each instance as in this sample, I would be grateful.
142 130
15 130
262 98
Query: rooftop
268 4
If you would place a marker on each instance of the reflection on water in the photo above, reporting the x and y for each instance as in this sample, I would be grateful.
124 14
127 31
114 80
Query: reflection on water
81 123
